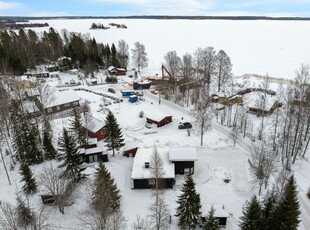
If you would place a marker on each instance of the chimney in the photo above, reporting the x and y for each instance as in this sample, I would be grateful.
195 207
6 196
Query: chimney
147 165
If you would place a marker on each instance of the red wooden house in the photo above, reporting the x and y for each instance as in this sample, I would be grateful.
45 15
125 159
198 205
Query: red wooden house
117 71
95 128
159 120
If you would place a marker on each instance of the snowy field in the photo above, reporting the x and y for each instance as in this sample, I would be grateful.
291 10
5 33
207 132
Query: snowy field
259 47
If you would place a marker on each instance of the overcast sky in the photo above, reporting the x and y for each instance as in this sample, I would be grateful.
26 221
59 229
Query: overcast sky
154 7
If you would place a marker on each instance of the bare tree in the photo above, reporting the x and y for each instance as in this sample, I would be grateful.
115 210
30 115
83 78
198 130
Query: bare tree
160 215
8 217
93 220
173 64
262 165
141 224
187 73
123 53
208 68
58 186
159 209
281 180
235 135
223 68
139 56
203 116
156 168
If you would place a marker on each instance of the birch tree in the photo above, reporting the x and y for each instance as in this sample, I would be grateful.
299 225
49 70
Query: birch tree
139 56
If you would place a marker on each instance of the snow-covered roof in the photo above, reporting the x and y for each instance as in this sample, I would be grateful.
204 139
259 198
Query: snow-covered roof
219 210
183 154
111 68
89 151
130 145
96 150
94 124
144 155
156 115
63 97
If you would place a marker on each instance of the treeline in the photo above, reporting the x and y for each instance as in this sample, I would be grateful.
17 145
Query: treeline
161 17
14 26
25 49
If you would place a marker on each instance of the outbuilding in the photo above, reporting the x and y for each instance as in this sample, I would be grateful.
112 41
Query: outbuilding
133 98
96 154
159 120
184 159
220 213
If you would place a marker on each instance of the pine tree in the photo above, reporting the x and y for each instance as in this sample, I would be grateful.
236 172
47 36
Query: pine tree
268 211
211 222
49 150
189 207
26 136
251 215
114 140
30 185
34 154
106 197
70 156
77 127
287 211
24 214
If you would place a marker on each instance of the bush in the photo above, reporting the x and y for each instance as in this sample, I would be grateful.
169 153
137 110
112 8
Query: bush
111 79
308 194
226 180
141 114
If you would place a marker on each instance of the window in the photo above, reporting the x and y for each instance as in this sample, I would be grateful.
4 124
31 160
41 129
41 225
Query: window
75 103
49 110
58 107
151 181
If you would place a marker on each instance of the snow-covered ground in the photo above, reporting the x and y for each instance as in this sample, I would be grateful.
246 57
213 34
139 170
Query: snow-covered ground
218 159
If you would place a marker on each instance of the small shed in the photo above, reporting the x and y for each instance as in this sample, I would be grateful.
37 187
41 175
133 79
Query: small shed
141 173
184 159
133 98
96 154
159 120
220 213
127 93
130 149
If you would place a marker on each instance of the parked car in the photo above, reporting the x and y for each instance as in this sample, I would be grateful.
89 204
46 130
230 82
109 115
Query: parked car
185 125
111 90
155 92
139 93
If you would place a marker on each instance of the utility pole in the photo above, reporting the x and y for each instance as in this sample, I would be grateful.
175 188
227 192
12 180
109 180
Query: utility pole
6 171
